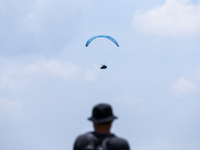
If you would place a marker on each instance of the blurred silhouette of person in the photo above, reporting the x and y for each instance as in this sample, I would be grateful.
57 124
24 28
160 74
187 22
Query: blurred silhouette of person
101 138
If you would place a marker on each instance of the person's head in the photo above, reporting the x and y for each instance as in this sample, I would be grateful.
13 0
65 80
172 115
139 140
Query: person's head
102 118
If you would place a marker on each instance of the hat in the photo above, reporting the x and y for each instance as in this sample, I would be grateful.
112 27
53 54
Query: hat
102 113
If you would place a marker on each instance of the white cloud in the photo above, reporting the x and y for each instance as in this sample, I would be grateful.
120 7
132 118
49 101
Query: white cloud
182 87
16 76
65 70
129 99
91 75
15 110
176 18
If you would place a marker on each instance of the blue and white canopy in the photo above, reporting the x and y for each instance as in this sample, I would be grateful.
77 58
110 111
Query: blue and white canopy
105 36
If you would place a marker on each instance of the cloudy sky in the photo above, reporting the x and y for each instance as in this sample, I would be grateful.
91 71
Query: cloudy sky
49 80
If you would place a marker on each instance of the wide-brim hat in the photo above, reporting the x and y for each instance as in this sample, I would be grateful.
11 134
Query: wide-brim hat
102 113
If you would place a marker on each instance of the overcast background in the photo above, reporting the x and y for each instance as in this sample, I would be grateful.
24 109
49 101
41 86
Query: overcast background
49 80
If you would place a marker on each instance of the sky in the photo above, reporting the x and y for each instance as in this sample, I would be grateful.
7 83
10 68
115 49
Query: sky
49 80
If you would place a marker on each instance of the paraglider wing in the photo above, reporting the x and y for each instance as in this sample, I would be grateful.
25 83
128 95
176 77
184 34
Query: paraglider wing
105 36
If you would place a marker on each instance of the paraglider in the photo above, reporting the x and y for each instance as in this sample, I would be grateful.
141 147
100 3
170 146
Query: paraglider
104 36
103 67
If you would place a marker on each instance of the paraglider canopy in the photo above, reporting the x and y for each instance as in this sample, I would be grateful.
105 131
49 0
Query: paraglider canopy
104 36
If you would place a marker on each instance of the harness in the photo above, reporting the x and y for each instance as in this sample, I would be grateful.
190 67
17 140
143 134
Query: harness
95 143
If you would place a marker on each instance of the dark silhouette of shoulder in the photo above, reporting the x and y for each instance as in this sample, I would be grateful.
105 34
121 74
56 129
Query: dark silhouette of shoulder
114 142
81 142
117 143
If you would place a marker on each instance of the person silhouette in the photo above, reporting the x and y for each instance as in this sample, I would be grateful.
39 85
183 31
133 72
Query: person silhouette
101 138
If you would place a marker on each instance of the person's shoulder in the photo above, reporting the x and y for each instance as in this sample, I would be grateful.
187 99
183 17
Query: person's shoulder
82 136
117 143
81 141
